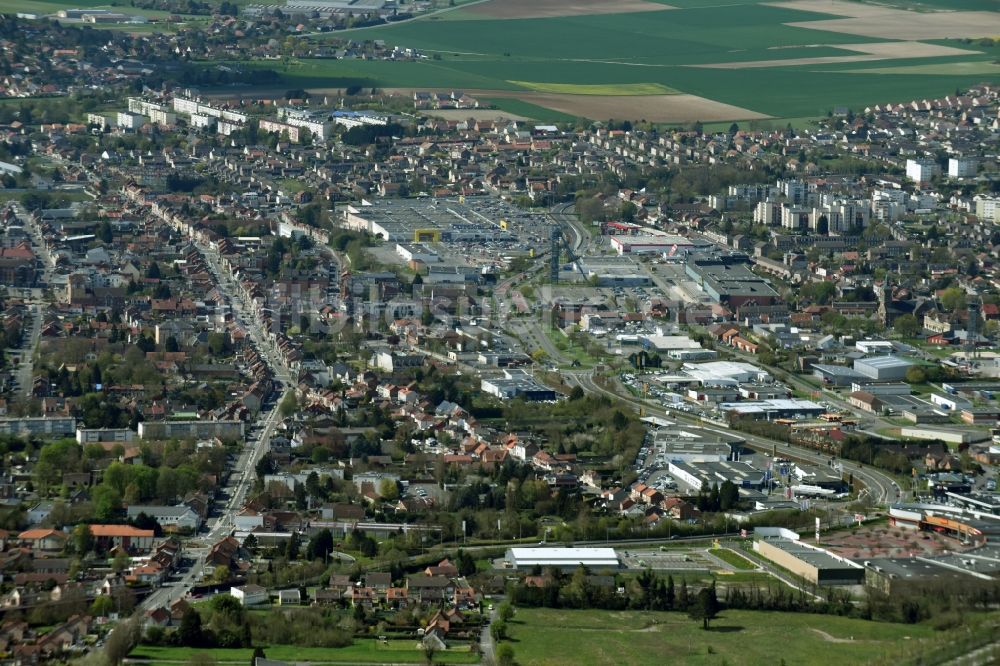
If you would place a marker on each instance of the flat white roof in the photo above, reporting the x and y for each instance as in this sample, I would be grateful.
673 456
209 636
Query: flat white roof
564 555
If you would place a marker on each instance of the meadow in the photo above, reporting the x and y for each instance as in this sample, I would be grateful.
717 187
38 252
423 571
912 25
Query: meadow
586 638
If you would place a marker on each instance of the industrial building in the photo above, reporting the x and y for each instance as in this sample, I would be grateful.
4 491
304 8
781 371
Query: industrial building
729 280
620 271
818 566
566 559
836 375
895 574
665 244
517 384
438 221
725 373
417 252
883 368
769 410
703 475
692 444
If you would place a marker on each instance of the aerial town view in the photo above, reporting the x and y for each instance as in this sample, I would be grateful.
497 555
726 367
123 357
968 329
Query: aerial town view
501 332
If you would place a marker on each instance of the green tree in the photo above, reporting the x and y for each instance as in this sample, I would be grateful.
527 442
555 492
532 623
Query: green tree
289 405
321 545
498 630
120 562
103 606
83 539
916 375
122 640
505 654
388 489
729 495
705 606
952 299
906 325
190 633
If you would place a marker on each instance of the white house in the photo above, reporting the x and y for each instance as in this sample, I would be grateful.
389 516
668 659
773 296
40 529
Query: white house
180 517
250 595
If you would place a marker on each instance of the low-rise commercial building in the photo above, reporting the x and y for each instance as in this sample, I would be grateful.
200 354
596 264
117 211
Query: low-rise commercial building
818 566
566 559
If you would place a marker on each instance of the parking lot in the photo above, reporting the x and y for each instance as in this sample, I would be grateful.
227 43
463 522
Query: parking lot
666 559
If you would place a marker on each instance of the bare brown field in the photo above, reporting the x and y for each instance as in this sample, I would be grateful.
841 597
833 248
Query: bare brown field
654 108
679 108
473 114
915 26
907 49
524 9
870 52
819 60
839 8
889 23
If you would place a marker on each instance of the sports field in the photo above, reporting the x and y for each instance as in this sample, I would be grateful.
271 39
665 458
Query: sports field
546 637
744 58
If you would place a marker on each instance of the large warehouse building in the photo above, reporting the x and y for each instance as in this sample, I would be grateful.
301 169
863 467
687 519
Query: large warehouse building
566 559
818 566
883 368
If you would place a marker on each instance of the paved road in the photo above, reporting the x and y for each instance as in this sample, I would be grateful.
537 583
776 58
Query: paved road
26 352
566 216
486 646
881 487
243 474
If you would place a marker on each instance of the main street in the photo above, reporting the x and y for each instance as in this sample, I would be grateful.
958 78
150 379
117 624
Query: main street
244 471
34 297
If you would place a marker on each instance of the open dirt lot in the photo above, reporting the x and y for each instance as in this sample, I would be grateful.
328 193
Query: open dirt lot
518 9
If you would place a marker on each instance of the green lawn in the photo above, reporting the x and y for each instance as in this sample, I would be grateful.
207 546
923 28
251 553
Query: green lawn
733 558
362 652
546 637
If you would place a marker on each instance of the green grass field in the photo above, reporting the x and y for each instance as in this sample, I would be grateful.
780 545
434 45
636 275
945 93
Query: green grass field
527 109
545 637
362 652
733 558
648 53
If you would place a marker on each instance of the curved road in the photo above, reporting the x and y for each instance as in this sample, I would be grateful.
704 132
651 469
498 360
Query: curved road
882 488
